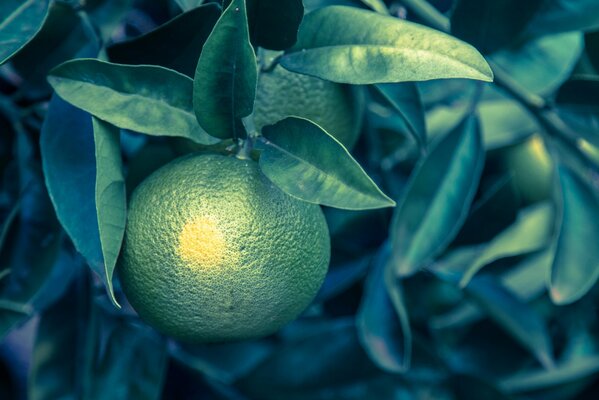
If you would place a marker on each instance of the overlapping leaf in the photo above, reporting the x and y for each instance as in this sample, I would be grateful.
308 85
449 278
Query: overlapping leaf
437 198
349 45
308 163
146 99
19 22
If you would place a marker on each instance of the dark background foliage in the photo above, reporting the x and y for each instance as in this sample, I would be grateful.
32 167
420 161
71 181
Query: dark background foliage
493 299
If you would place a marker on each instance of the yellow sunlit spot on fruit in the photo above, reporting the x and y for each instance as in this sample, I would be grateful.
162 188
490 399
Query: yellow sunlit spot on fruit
201 243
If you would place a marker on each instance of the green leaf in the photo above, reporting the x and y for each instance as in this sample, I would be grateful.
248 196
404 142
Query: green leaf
532 231
274 23
19 22
498 130
565 16
146 99
111 205
349 45
490 25
106 15
63 36
544 379
308 163
437 198
76 176
226 76
384 332
516 317
405 99
177 44
576 264
578 107
542 65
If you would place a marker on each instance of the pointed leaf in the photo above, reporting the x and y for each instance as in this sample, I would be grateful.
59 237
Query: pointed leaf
516 317
437 198
19 22
532 231
384 333
177 44
274 23
226 77
565 16
576 264
146 99
70 168
349 45
551 57
111 206
308 163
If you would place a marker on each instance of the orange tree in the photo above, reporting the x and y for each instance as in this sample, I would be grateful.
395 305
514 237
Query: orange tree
266 199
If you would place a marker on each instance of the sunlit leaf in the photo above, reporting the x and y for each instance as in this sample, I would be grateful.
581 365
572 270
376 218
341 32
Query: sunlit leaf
349 45
307 163
146 99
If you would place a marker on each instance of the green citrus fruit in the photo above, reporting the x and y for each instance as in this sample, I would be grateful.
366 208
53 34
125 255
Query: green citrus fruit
214 251
532 170
333 106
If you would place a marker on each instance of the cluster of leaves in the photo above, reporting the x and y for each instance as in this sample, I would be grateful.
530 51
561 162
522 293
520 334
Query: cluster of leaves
466 289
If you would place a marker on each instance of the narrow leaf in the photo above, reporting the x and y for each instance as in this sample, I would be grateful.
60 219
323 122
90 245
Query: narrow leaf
349 45
177 44
561 375
19 22
532 231
516 317
111 206
437 198
226 77
385 334
308 163
576 264
376 5
146 99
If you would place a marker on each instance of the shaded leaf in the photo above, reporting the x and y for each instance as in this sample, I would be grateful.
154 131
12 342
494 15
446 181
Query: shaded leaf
62 37
69 162
307 163
226 77
437 198
19 22
532 231
384 331
468 387
274 23
516 317
405 99
491 25
562 374
542 65
107 15
576 264
578 107
187 5
565 16
146 99
177 44
111 205
349 45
